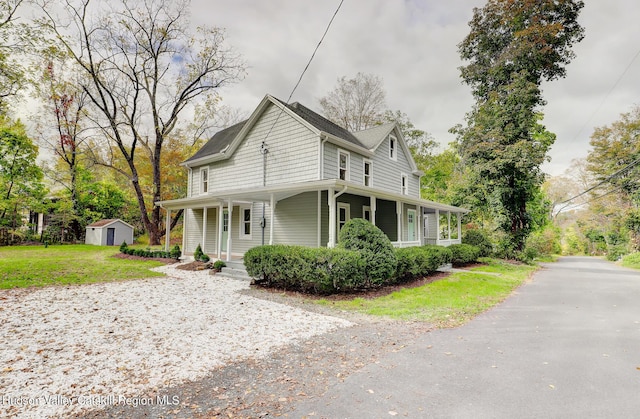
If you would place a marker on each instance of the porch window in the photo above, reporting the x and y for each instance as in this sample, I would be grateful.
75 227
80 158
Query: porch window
245 222
444 226
367 173
204 180
454 226
343 165
366 212
344 214
404 184
393 145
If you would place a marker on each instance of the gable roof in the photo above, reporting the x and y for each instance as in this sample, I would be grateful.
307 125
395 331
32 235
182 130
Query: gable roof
224 142
106 222
373 137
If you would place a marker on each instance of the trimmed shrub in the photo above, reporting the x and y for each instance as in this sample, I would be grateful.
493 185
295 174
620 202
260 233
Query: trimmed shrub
204 258
419 261
218 265
374 247
123 247
479 239
464 253
197 254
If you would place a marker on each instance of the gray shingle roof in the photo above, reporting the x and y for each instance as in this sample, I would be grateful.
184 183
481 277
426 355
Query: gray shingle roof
371 137
219 141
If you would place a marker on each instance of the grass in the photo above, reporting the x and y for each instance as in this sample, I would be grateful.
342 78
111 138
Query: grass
447 302
26 266
631 261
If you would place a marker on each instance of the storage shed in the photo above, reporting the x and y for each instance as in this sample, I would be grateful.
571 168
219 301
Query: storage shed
111 232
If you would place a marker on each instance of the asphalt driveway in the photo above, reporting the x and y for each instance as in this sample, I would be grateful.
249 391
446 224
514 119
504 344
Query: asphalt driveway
565 345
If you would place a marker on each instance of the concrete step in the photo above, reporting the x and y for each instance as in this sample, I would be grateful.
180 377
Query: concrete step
235 273
236 264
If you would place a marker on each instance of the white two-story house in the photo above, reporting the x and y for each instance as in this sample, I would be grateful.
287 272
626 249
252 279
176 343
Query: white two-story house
287 175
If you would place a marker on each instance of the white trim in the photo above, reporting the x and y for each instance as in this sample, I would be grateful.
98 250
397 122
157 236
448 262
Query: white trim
220 214
393 151
347 173
204 230
347 207
364 172
404 184
242 223
202 182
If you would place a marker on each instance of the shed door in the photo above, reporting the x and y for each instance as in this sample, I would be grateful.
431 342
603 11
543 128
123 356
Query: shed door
111 234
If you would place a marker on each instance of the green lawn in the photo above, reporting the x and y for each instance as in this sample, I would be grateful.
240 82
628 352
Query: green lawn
25 266
631 261
446 302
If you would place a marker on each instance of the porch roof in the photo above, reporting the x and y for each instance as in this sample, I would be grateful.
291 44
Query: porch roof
280 192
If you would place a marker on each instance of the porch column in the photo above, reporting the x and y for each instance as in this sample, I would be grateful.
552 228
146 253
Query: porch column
437 226
204 230
372 204
272 208
420 224
399 222
332 217
230 207
220 227
167 234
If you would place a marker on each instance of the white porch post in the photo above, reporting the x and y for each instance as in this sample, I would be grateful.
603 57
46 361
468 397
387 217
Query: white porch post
204 230
437 226
220 227
399 222
230 206
372 204
272 208
332 217
420 224
167 234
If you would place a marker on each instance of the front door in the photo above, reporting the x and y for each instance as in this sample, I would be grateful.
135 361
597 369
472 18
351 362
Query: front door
411 225
344 214
225 229
111 235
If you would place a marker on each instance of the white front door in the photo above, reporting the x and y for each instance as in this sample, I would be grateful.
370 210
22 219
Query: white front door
411 225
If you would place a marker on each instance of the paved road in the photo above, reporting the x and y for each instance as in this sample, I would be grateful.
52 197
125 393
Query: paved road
565 345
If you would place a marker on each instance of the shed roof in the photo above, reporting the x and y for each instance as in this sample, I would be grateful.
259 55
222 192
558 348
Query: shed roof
106 222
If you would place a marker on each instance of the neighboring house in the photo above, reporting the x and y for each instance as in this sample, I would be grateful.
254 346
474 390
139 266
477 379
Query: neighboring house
287 175
111 232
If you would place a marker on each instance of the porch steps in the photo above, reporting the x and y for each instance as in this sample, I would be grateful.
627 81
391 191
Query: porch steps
235 270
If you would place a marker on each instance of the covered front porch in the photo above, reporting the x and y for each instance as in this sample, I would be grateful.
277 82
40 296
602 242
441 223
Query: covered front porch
227 224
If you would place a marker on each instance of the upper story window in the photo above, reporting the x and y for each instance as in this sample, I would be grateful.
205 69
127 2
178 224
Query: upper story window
343 165
404 184
366 170
245 222
204 180
393 147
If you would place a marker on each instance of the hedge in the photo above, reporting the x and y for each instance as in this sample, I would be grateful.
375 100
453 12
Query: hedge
479 239
175 253
462 254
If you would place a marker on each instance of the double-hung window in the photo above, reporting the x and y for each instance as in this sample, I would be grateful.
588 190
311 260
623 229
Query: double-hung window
343 165
245 222
367 173
204 180
404 184
393 147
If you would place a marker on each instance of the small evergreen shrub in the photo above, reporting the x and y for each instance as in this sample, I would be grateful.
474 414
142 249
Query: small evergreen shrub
218 265
204 258
374 247
479 239
175 252
462 254
197 254
123 247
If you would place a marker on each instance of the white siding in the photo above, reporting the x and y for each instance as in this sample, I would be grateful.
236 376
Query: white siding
292 157
296 220
239 245
387 172
194 229
211 246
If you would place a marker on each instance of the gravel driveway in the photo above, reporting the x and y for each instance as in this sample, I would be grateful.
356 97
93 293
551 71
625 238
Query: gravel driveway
74 349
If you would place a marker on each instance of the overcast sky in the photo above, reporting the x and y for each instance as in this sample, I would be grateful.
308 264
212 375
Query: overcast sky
412 45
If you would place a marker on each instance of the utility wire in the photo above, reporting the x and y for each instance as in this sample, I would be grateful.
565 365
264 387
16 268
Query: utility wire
607 179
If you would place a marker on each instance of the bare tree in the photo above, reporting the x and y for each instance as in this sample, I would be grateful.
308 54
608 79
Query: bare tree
11 76
144 67
357 103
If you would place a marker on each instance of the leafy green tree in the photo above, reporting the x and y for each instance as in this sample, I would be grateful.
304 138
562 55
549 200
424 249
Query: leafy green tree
11 74
21 187
513 46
